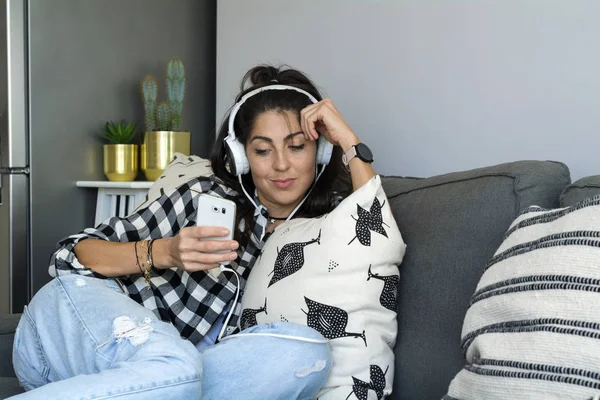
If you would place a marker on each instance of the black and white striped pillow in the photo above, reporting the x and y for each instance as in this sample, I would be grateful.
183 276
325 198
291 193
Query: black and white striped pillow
532 330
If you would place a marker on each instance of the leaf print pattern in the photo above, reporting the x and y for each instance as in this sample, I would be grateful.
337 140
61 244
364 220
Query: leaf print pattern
389 295
290 259
368 221
360 389
377 384
329 321
248 318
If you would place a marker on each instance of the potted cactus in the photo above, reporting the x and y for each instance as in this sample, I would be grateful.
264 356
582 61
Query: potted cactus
164 136
120 155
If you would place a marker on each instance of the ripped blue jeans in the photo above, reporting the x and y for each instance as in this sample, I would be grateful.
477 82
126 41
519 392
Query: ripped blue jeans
83 338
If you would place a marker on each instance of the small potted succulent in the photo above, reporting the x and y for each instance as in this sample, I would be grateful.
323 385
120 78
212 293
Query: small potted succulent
164 136
120 154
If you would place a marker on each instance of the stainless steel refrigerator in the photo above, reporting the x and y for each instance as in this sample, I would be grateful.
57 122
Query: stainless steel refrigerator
66 67
14 160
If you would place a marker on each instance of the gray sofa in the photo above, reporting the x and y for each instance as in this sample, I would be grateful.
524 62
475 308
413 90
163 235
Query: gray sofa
452 224
8 383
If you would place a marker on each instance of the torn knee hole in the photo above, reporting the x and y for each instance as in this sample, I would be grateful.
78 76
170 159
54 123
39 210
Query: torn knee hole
126 328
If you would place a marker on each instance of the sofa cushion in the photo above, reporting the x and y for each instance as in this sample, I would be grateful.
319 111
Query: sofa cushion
579 190
452 224
337 274
9 387
533 326
8 324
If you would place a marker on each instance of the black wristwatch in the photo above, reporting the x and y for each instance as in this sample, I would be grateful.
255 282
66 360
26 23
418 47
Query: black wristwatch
361 151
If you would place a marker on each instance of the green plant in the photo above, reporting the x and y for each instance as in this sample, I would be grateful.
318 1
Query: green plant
166 115
176 90
121 133
149 93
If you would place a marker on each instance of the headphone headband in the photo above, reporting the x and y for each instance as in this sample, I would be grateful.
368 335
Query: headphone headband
236 152
238 105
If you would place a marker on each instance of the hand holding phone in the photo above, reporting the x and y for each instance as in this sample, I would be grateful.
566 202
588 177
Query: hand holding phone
208 244
217 212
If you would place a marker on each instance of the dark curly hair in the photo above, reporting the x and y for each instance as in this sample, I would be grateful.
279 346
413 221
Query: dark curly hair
335 179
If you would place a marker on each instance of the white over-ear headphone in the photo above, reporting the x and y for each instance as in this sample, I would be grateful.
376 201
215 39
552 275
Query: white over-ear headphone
237 153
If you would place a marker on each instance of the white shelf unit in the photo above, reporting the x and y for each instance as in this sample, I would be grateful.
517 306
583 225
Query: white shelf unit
116 198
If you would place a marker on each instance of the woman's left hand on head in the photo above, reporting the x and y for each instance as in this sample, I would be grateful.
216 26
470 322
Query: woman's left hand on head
323 118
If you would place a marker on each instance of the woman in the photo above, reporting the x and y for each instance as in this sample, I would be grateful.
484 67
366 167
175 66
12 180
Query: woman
150 333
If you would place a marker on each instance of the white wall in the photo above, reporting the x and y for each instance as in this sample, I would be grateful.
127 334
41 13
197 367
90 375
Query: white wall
435 86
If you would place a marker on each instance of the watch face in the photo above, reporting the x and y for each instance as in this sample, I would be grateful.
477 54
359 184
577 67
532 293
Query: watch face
364 153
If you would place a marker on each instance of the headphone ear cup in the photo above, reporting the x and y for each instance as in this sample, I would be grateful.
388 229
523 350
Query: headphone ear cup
238 162
324 151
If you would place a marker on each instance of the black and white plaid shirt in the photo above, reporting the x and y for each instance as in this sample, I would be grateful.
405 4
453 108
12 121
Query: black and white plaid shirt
192 302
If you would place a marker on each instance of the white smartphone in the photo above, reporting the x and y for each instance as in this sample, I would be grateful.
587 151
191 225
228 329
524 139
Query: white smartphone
216 211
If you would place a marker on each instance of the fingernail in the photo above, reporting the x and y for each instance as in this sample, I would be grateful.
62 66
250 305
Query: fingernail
232 256
234 246
225 231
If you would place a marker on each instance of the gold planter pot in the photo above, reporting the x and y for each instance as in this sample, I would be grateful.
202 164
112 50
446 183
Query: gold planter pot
158 148
121 162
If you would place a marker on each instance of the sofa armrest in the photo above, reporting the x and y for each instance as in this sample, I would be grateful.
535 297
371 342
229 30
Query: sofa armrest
8 324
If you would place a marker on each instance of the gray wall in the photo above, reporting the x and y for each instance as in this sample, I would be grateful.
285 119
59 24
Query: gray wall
87 59
435 86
